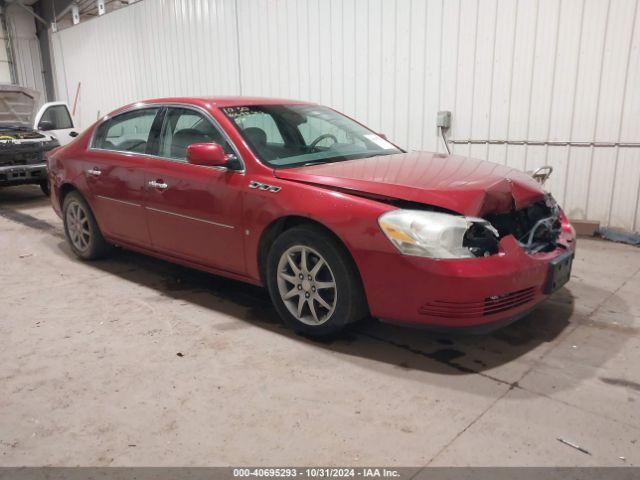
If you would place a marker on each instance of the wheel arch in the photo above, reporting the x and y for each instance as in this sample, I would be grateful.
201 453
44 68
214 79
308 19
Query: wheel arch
280 225
65 189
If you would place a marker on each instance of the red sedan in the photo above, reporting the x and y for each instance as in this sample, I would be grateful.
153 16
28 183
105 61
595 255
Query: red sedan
336 221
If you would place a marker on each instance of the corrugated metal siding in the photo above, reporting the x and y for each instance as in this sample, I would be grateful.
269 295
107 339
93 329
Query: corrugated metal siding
26 49
507 69
150 49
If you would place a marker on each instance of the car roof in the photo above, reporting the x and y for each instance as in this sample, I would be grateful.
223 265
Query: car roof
217 101
228 101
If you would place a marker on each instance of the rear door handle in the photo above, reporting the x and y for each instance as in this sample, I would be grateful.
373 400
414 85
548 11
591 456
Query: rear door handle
96 172
159 184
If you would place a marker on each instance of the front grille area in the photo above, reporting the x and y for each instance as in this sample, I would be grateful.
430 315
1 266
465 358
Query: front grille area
20 158
489 306
20 153
536 227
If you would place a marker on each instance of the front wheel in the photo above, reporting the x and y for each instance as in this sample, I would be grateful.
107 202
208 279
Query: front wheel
313 282
81 228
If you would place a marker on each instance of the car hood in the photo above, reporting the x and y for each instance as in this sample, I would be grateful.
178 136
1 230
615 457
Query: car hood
18 105
467 186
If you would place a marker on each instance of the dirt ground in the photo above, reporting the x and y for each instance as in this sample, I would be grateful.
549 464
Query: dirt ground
134 361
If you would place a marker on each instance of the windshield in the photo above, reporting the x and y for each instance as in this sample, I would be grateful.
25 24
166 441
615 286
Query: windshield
295 135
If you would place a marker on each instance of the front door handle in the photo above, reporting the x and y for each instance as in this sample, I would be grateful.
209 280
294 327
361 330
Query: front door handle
158 184
96 172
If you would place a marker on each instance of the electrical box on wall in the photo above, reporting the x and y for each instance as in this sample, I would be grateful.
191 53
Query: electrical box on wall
443 119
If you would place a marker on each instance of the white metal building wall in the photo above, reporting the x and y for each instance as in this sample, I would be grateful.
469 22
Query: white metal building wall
26 49
508 70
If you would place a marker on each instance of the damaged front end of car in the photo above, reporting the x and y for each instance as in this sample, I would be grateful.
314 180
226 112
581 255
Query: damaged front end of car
537 227
22 156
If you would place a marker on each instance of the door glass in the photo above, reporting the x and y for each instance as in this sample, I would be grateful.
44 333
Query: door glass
128 132
55 117
183 127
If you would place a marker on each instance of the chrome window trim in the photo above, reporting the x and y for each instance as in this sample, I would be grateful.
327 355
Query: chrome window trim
142 106
222 225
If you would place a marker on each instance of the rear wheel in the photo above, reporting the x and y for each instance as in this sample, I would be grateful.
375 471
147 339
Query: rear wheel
313 282
81 229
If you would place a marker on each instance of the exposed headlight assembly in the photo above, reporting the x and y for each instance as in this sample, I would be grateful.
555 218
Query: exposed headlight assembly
438 235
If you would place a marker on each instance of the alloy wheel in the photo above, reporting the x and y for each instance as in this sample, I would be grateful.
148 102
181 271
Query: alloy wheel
306 285
78 226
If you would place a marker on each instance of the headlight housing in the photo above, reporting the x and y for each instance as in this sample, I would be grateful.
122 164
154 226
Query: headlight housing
438 235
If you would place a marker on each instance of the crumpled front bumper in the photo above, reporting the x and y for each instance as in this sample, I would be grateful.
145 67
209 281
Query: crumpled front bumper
462 292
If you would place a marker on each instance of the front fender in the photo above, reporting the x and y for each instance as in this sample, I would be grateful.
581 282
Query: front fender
352 219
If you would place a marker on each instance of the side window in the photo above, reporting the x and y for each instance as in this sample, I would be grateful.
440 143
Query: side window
128 132
183 127
260 126
55 117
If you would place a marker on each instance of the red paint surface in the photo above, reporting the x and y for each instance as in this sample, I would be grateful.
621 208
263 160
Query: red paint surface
344 197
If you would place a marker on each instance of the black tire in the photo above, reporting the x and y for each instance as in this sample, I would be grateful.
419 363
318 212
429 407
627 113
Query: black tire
96 246
349 303
44 186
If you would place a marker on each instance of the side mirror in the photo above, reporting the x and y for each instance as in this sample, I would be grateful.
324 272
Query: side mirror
207 154
46 125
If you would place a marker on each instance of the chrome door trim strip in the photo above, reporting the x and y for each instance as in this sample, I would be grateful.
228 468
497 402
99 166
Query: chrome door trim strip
222 225
119 201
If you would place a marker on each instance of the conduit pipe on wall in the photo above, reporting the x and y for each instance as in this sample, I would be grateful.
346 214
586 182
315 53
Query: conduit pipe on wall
551 143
